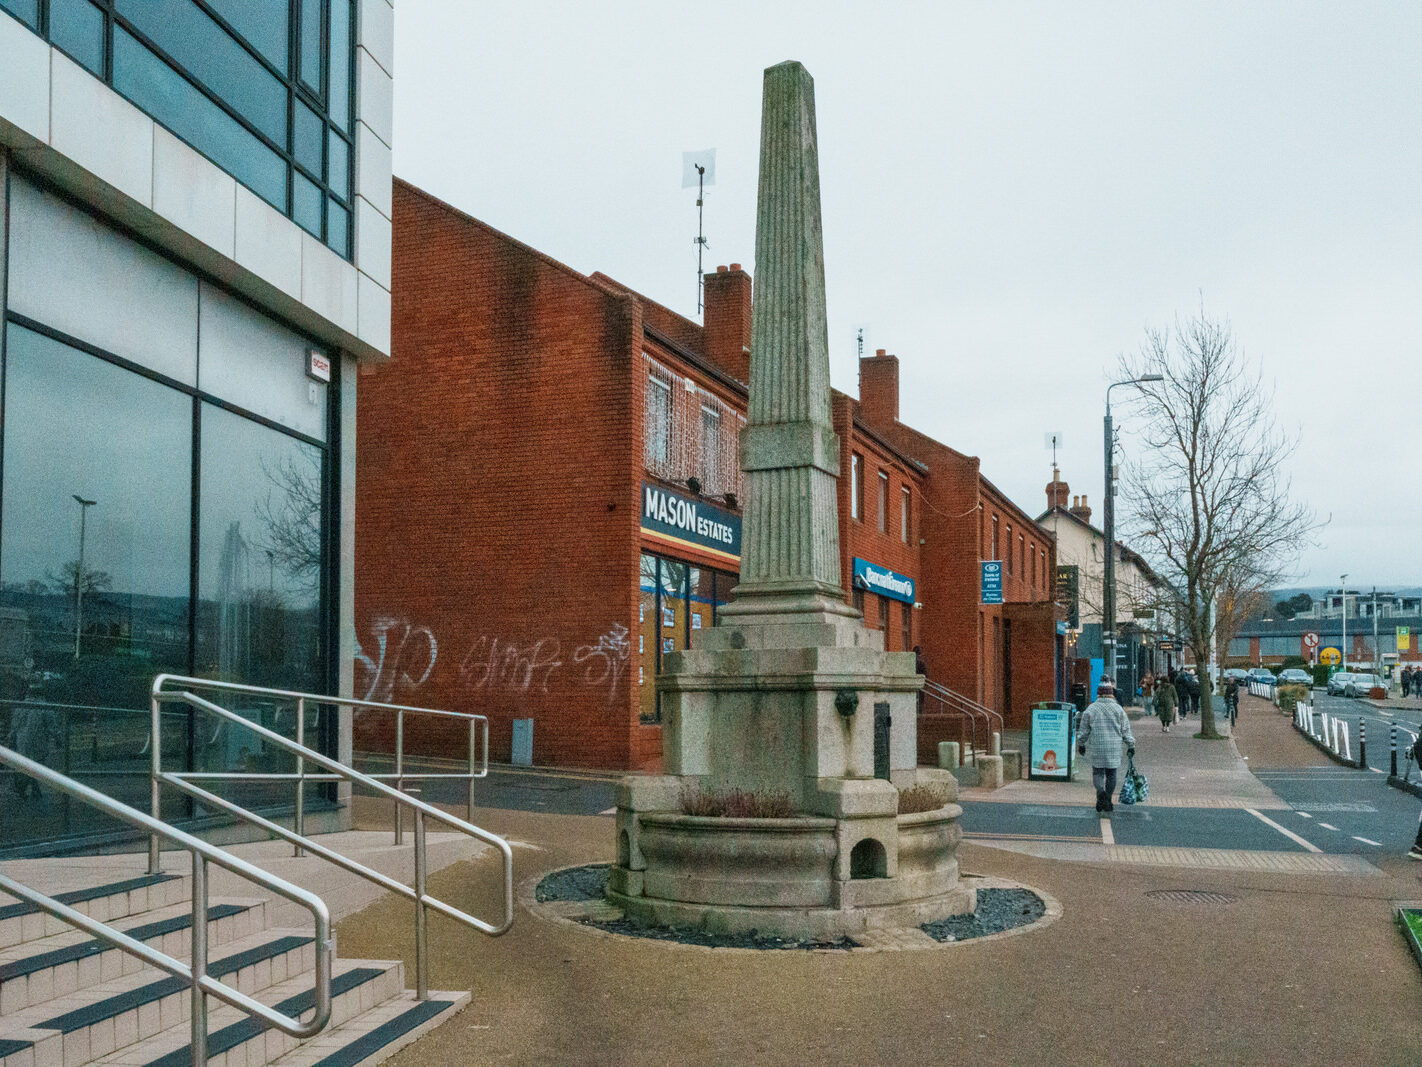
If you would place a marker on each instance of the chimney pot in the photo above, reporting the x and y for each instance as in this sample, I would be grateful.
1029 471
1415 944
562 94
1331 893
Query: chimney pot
721 269
881 351
735 266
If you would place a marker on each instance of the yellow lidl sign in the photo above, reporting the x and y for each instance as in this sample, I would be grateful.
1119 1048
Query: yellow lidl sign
1330 656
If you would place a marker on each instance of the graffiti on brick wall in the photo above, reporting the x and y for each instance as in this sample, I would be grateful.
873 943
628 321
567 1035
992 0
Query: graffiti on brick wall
404 659
605 659
495 664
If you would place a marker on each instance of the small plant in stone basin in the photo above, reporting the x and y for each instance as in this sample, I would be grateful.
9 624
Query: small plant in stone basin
736 804
918 798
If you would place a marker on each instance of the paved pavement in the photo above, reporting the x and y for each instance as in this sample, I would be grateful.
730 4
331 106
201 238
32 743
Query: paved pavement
1183 955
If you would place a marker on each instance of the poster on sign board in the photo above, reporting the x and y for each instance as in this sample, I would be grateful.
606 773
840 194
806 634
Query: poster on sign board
1050 742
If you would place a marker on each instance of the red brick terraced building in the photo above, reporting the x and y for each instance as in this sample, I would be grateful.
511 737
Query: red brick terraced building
548 501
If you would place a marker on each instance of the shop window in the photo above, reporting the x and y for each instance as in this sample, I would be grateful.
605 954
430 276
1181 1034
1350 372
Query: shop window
675 600
856 487
883 502
904 527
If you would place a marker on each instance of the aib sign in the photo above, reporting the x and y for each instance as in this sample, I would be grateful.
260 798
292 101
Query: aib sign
992 581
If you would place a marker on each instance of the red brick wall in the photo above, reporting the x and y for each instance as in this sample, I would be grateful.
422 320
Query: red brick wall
879 388
497 498
728 320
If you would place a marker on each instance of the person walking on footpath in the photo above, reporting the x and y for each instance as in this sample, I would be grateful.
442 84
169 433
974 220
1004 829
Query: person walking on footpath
1192 684
1182 693
1165 702
1406 678
1104 730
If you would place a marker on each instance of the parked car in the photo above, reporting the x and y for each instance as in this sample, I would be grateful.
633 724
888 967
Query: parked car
1361 684
1262 674
1239 674
1296 676
1338 681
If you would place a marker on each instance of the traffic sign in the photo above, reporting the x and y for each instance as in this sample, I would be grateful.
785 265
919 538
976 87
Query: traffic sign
1404 638
1330 656
1310 640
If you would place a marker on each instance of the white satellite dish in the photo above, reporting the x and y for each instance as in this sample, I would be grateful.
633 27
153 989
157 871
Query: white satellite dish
691 178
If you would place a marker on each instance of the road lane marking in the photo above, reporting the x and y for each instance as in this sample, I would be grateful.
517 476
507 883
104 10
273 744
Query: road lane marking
1327 826
1107 837
1284 830
1367 841
1376 770
1305 815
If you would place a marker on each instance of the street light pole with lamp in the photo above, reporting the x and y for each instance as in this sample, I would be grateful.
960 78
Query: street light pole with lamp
84 506
1343 598
1108 581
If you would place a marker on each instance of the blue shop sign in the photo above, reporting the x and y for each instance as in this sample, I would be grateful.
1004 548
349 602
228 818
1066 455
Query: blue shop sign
883 581
689 520
992 581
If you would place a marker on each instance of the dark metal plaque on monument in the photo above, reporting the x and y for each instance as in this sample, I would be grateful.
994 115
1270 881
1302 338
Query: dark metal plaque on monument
882 721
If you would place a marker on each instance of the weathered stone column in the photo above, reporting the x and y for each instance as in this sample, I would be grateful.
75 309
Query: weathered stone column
789 450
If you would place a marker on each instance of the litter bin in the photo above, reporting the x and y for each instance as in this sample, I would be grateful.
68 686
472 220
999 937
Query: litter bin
1078 696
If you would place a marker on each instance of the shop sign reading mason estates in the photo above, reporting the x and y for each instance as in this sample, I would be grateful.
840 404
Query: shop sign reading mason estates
692 521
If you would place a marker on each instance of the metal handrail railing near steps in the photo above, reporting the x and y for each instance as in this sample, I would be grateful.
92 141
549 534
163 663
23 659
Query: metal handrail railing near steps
184 781
194 973
956 703
478 742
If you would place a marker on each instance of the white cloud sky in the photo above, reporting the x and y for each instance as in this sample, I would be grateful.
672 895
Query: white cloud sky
1012 192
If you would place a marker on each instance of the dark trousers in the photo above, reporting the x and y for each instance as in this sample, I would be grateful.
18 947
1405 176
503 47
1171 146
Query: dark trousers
1104 779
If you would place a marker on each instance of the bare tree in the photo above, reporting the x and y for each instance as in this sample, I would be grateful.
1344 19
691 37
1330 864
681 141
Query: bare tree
1208 496
68 577
291 514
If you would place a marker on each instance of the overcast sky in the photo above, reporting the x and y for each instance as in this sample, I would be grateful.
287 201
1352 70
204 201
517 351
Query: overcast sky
1012 193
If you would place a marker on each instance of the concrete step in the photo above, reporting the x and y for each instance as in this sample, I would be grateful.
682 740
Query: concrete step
377 1034
21 921
235 1038
35 972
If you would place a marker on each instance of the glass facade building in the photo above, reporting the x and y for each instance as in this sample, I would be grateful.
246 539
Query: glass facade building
194 257
263 88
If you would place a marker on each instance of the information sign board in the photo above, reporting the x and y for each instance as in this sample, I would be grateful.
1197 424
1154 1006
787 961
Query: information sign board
1049 742
1330 656
992 581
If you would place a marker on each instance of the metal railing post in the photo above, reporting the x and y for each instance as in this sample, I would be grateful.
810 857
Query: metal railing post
399 774
473 730
155 796
199 964
422 959
299 819
1392 744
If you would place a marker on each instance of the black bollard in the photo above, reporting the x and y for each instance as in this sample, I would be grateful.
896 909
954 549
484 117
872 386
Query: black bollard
1362 742
1392 744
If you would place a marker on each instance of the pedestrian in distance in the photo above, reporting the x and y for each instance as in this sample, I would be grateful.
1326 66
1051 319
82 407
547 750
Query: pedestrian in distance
1148 693
1231 695
1406 679
1182 693
1192 685
1104 731
1165 703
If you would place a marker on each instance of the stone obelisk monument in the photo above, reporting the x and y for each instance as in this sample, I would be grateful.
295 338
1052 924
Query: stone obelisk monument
789 695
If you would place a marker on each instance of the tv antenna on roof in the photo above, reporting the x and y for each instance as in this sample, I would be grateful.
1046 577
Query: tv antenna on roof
699 169
1053 440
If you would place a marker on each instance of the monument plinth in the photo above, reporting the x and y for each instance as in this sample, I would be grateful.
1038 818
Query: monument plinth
789 695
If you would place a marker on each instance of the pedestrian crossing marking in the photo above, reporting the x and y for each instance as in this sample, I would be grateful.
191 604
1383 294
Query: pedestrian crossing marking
1284 830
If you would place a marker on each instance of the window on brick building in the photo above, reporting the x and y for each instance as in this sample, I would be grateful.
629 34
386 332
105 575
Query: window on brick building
993 554
1009 548
856 487
859 601
1021 563
907 621
904 526
711 450
658 425
883 502
884 618
1032 555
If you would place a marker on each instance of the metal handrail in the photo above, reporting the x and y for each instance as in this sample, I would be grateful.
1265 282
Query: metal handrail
200 983
955 702
183 781
478 741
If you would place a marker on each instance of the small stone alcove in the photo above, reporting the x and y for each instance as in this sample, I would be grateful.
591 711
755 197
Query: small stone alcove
868 860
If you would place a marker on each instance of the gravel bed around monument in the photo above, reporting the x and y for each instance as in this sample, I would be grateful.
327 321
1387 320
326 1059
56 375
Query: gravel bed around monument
998 910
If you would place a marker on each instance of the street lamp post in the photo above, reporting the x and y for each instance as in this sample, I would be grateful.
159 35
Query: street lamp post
84 506
1343 598
1108 580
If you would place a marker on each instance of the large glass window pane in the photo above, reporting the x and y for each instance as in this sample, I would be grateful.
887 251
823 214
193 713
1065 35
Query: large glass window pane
307 137
77 26
75 275
338 165
310 44
647 656
208 52
259 581
306 203
340 48
338 228
94 591
27 11
672 625
262 22
176 103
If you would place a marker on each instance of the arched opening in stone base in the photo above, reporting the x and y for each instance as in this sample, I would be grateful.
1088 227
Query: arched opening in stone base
868 860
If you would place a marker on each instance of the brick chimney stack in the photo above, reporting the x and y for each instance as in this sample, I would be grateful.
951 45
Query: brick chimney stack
727 320
1080 510
1056 491
879 389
